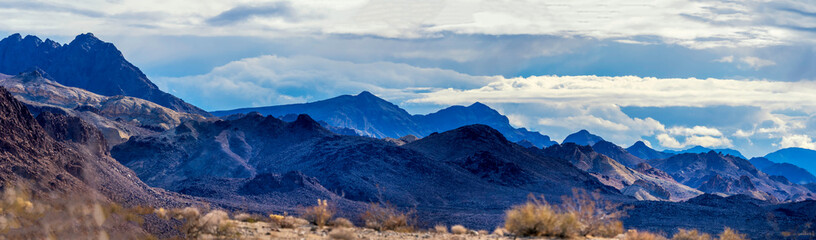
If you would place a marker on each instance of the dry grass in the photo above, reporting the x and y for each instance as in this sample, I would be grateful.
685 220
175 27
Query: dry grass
642 235
383 217
459 229
343 234
500 231
440 228
580 215
684 234
319 215
730 234
342 222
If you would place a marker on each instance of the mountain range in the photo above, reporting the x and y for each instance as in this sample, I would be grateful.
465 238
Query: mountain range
460 165
87 63
372 116
804 158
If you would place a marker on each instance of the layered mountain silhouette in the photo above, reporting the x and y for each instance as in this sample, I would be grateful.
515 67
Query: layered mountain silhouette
87 63
714 172
118 117
375 117
789 171
618 153
642 151
804 158
465 170
643 183
700 149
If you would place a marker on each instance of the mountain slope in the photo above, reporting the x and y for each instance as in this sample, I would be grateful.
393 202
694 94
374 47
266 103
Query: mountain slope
582 137
375 117
791 172
118 117
618 153
86 63
643 184
700 149
713 172
639 149
804 158
66 157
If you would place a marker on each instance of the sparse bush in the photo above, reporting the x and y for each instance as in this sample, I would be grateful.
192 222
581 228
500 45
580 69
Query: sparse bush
458 229
342 222
292 222
342 234
440 228
638 235
319 215
246 217
683 234
730 234
500 231
579 215
383 217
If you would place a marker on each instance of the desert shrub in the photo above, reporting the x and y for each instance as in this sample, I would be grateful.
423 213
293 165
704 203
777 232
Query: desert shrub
292 222
730 234
579 215
500 231
440 228
320 214
684 234
245 217
458 229
383 217
342 222
483 232
642 235
342 234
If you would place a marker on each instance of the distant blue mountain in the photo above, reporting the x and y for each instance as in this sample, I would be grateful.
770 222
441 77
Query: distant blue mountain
87 63
639 149
791 172
583 137
700 149
372 116
804 158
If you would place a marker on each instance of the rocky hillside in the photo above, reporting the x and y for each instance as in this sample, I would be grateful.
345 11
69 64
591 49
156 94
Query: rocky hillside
87 63
118 117
714 172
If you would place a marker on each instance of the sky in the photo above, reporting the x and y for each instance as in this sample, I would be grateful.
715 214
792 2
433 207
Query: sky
673 73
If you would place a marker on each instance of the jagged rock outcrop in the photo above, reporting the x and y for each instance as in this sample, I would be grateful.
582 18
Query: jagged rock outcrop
87 63
714 172
612 173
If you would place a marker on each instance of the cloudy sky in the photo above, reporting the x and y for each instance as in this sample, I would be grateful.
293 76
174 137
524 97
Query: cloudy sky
674 73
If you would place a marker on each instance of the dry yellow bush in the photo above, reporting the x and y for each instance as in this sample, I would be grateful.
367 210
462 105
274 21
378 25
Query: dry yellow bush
383 217
440 228
320 214
730 234
580 215
458 229
342 222
684 234
642 235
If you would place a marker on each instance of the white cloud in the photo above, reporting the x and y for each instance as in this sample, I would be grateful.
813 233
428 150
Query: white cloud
635 91
757 63
272 80
695 24
726 59
696 130
797 140
669 141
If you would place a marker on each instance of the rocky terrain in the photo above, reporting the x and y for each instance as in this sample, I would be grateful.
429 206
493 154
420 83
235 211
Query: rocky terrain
118 117
372 116
713 172
640 150
643 183
87 63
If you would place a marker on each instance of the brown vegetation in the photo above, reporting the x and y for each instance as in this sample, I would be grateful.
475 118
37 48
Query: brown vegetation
383 217
458 229
580 215
320 214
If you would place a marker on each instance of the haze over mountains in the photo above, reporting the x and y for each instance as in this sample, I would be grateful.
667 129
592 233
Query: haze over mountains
462 164
375 117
